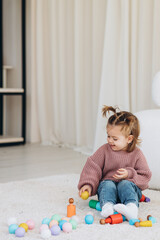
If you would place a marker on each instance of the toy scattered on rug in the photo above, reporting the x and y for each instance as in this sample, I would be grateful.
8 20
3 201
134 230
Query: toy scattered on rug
113 219
71 208
96 204
21 229
56 224
140 223
89 219
119 218
144 199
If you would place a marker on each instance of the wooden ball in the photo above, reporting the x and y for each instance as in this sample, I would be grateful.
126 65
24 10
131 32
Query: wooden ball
71 200
140 219
137 224
102 221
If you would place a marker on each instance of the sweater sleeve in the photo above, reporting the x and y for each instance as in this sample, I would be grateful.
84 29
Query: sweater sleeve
92 171
140 174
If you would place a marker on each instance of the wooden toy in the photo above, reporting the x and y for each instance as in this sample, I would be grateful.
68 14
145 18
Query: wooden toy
114 219
55 230
24 225
98 207
144 199
85 195
134 220
95 204
92 203
43 226
102 221
74 223
75 218
61 223
89 219
67 227
12 228
148 223
20 232
143 224
30 224
52 223
71 208
149 217
45 233
46 221
56 217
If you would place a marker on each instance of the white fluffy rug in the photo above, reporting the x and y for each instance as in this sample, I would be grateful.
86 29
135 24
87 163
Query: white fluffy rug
39 198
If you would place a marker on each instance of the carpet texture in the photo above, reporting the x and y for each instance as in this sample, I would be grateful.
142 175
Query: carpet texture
39 198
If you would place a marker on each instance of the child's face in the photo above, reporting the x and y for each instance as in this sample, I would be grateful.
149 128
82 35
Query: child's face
116 138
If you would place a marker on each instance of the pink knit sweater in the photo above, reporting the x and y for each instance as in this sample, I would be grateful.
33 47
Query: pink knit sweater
104 163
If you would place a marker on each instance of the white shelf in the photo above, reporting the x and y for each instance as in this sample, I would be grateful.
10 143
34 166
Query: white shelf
9 139
11 90
7 67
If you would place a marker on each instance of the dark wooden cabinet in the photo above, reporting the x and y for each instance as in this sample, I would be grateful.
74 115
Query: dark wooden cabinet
13 91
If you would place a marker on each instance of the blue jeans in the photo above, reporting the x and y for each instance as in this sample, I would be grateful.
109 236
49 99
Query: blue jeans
118 192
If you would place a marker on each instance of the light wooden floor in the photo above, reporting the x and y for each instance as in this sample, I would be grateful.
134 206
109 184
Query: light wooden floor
35 160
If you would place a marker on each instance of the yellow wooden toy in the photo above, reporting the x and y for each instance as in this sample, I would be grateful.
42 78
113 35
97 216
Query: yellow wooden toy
24 225
85 195
143 224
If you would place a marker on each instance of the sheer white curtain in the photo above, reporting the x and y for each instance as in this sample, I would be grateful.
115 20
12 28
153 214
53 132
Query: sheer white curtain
86 53
66 57
131 57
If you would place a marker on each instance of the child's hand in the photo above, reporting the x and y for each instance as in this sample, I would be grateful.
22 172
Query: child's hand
122 174
85 188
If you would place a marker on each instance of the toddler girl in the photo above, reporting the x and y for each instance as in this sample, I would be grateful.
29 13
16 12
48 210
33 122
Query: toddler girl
118 170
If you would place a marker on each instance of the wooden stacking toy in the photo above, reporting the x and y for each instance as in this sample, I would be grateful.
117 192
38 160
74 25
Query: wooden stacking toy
144 199
95 205
71 208
143 224
149 217
113 219
148 223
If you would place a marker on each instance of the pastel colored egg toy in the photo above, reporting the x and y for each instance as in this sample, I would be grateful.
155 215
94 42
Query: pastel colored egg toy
55 230
61 223
46 221
12 220
42 227
53 222
67 227
24 225
46 233
12 228
30 224
76 218
66 218
56 217
74 223
20 232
